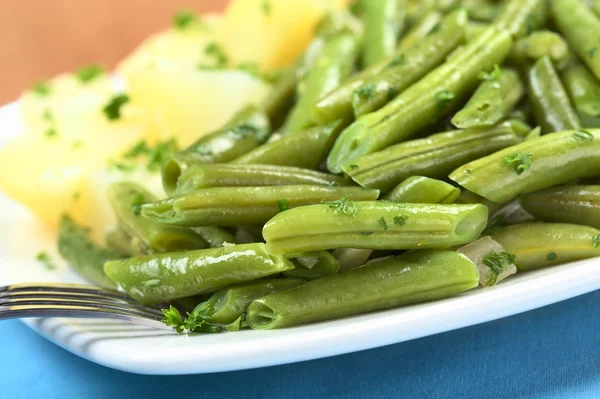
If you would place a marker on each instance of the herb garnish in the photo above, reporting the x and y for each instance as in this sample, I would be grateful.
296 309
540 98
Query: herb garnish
383 223
489 76
400 220
520 161
45 260
596 241
282 204
551 256
183 18
591 52
266 7
343 205
216 52
498 261
89 73
112 110
397 61
42 88
443 99
136 205
366 91
583 135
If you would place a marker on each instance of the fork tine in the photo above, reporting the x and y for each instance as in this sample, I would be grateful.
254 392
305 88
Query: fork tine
153 314
64 288
10 295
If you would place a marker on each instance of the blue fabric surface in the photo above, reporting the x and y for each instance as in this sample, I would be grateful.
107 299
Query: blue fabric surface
551 352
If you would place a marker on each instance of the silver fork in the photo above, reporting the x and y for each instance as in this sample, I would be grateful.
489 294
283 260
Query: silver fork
74 300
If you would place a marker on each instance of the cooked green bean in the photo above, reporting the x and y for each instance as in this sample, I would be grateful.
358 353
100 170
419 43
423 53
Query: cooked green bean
232 206
87 258
521 17
551 106
419 189
569 204
126 199
533 165
475 29
493 101
305 149
584 91
425 26
117 239
281 98
383 22
312 265
421 105
163 277
216 237
537 245
581 28
411 65
247 130
374 225
406 279
434 156
492 261
231 175
538 44
596 7
333 65
482 10
226 305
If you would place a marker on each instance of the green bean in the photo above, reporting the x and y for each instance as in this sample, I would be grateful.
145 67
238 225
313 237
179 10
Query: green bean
117 239
428 23
126 199
232 206
230 175
551 106
553 159
569 204
419 189
334 64
87 258
163 277
406 279
521 17
537 45
485 252
468 197
475 29
481 10
216 237
351 258
584 91
411 65
596 7
247 130
493 101
374 225
226 305
421 105
305 149
581 29
537 245
433 156
383 22
281 97
312 265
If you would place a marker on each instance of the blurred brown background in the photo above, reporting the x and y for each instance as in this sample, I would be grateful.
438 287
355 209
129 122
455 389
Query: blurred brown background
41 38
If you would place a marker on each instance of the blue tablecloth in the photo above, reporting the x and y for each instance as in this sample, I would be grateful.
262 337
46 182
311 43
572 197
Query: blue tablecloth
552 352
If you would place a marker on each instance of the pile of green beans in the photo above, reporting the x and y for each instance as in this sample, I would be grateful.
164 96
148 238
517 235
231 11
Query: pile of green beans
416 150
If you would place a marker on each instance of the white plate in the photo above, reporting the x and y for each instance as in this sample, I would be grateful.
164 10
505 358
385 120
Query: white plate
142 350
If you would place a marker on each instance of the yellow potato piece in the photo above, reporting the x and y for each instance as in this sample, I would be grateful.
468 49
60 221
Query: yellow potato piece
271 33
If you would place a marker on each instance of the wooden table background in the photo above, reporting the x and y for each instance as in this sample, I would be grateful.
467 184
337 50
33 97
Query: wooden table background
41 38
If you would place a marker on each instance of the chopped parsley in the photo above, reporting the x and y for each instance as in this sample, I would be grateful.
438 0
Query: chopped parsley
366 233
435 28
397 61
183 18
498 261
244 130
490 76
151 283
400 220
332 184
391 93
266 7
89 73
42 88
353 166
172 318
136 205
343 205
366 91
282 204
202 149
383 223
140 148
591 52
551 256
443 99
121 167
596 241
197 321
47 115
158 154
50 132
583 135
215 51
45 260
520 161
112 110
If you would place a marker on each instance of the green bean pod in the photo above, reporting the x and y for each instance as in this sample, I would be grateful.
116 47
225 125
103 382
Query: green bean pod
333 65
537 245
434 156
234 175
87 258
117 239
423 190
375 225
428 23
521 17
553 159
475 29
411 65
163 277
422 104
568 204
312 265
125 199
492 102
281 97
383 22
403 280
216 237
247 130
233 206
538 44
584 90
305 149
482 10
596 7
552 108
581 28
226 305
